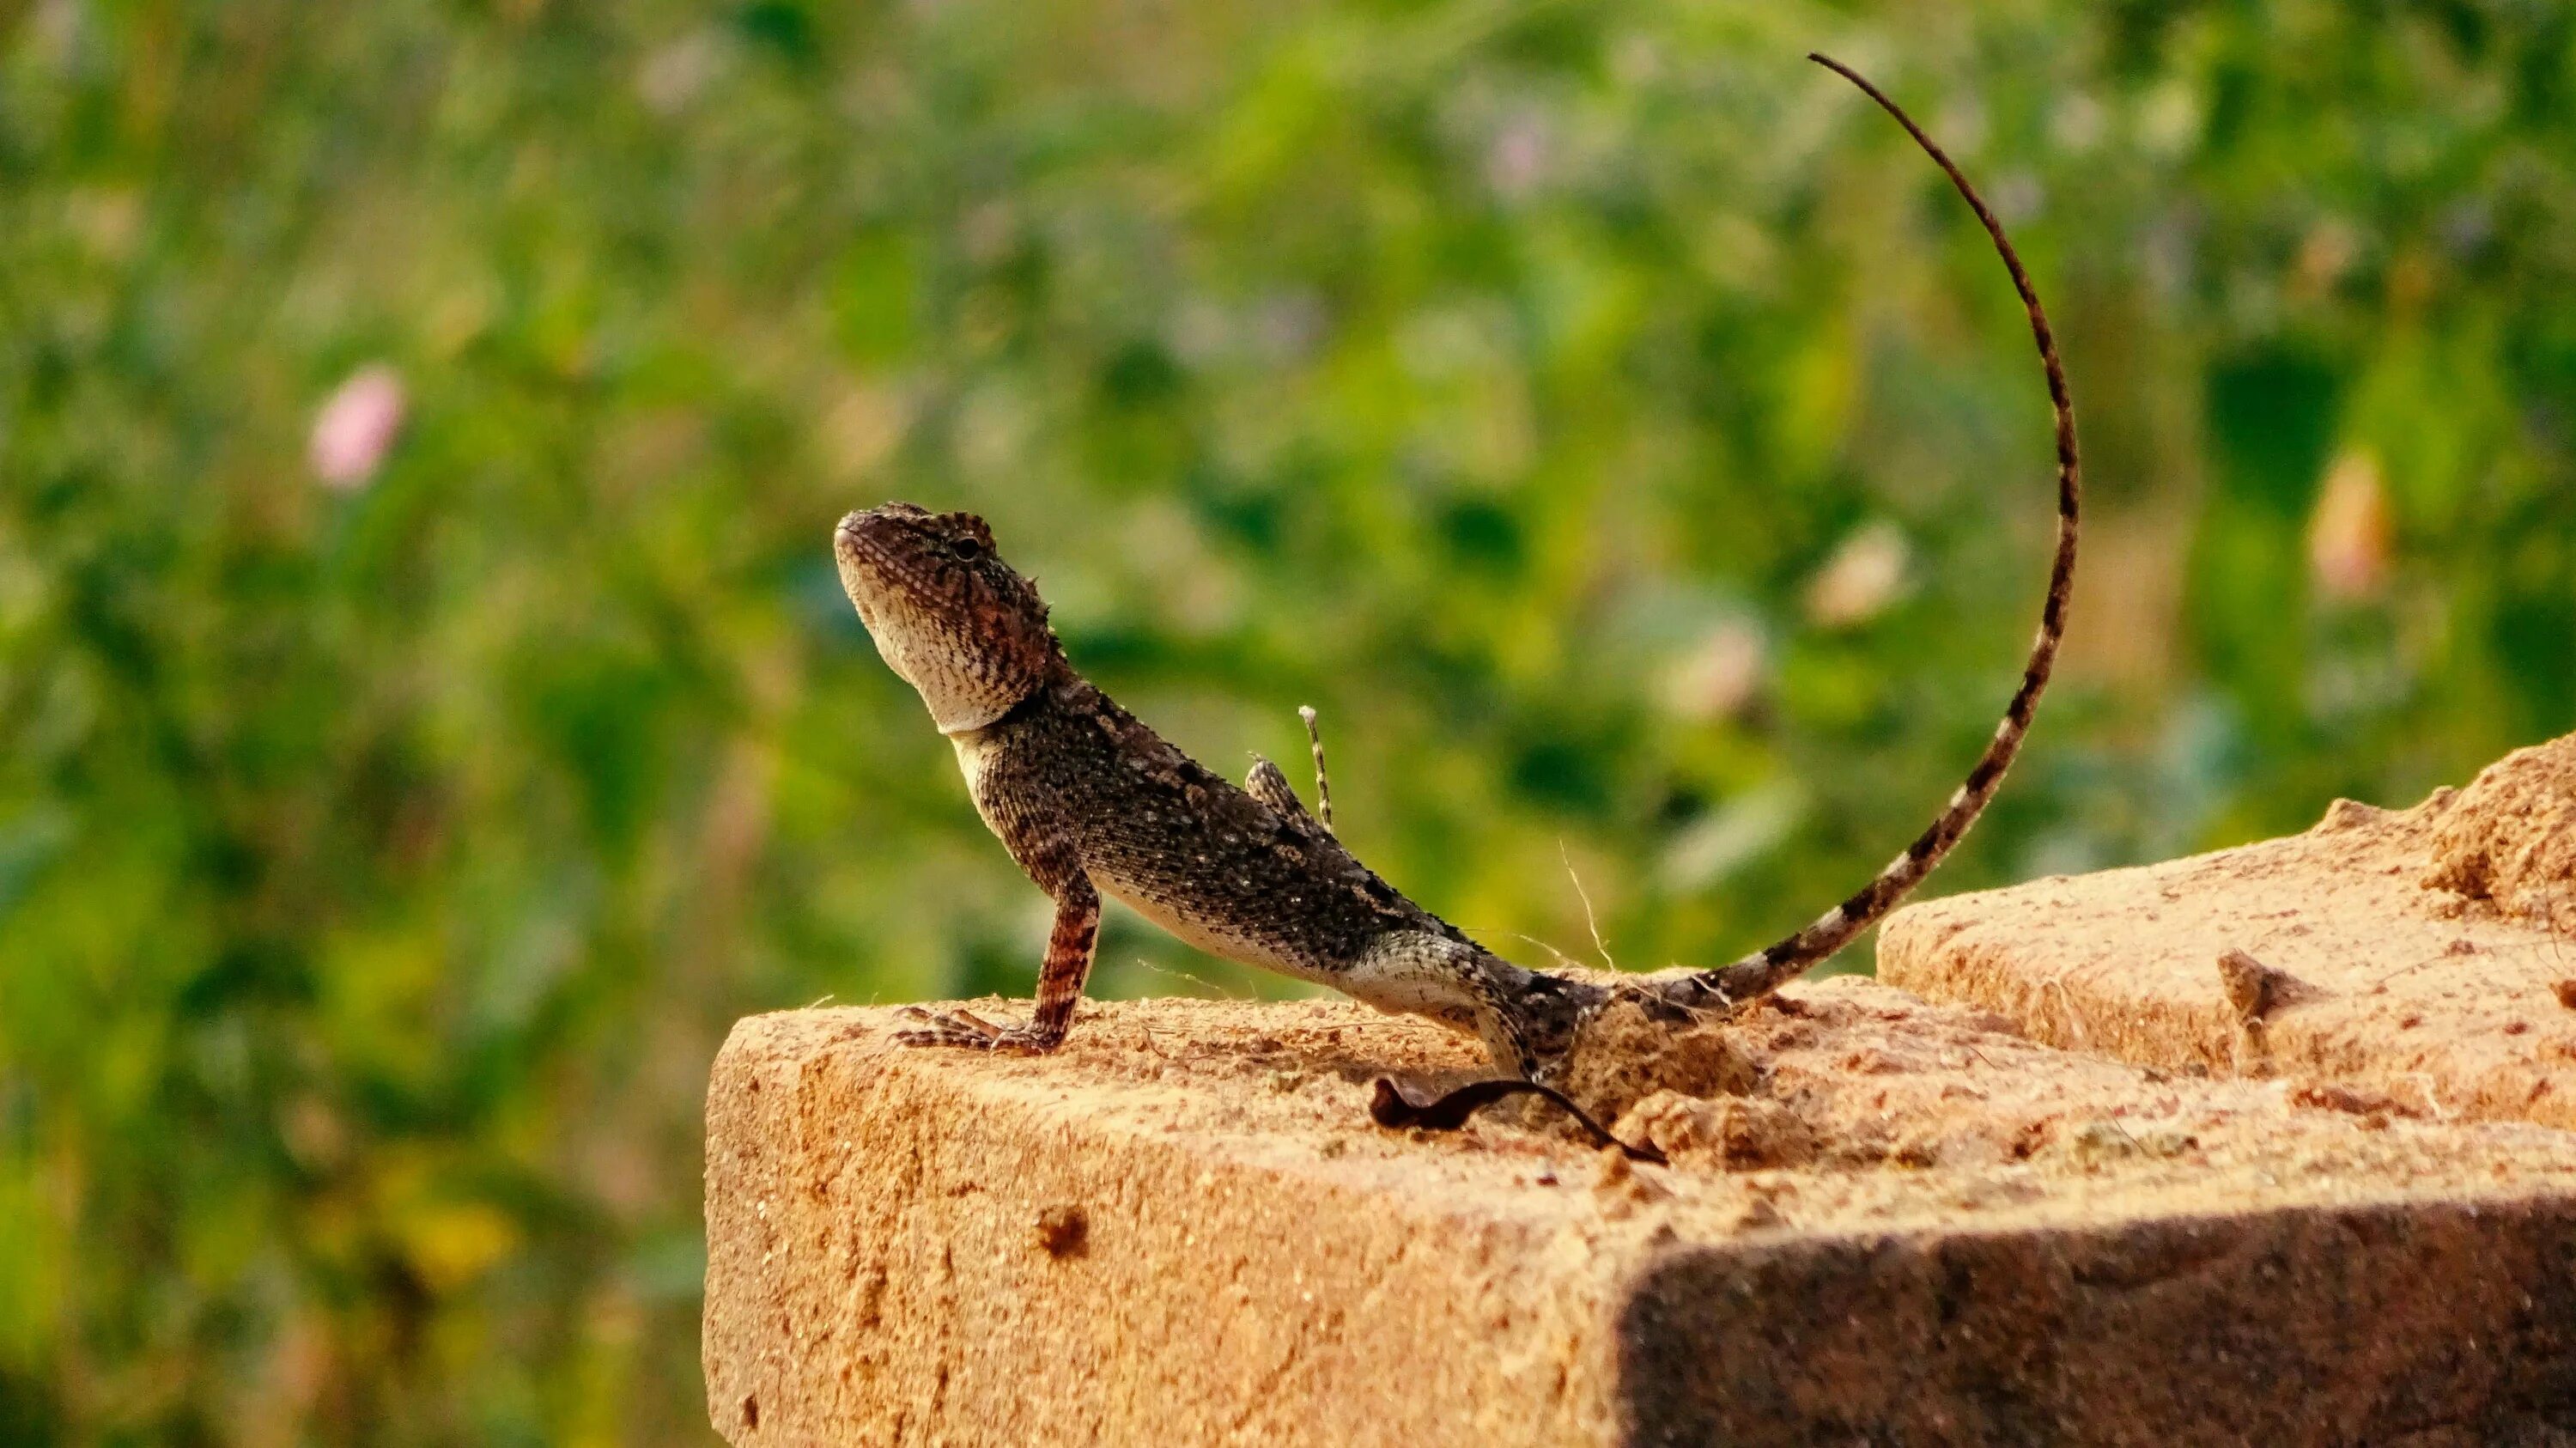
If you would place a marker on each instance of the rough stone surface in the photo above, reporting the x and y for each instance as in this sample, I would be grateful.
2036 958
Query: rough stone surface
2509 840
2423 959
1894 1223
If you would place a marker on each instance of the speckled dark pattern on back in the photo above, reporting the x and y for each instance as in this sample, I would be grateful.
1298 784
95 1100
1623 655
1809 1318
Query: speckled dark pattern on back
1160 831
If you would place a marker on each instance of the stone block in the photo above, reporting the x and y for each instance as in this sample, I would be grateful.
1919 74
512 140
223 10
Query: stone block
1910 1226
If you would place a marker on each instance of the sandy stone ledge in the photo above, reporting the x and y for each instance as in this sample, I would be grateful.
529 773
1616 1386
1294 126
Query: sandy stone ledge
2424 959
1899 1223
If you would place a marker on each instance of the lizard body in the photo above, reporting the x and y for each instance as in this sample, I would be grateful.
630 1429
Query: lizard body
1090 801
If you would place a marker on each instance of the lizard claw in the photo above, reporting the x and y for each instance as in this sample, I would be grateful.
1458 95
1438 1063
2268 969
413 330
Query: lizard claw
947 1028
969 1031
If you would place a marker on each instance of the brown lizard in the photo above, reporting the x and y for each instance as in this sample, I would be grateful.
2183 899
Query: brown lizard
1090 801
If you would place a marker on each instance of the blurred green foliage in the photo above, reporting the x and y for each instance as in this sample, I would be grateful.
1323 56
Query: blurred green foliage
1603 416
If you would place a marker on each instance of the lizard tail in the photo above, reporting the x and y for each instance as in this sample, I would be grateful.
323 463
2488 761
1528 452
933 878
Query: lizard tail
1759 974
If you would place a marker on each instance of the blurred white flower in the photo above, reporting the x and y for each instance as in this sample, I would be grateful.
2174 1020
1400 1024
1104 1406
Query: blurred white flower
987 230
862 428
1725 840
2349 542
2078 124
1718 676
672 76
1865 575
2325 255
1289 325
356 426
2018 196
1961 125
2168 117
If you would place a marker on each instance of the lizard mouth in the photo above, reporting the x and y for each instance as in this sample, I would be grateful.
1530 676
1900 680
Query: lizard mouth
868 567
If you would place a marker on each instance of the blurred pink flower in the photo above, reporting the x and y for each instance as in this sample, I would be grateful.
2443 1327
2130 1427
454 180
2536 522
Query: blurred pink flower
356 426
1516 160
2350 540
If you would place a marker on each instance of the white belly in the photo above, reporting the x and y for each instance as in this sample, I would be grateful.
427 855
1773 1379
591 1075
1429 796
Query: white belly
1203 935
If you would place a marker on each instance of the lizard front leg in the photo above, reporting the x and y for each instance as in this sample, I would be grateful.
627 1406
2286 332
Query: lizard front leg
1070 946
1036 836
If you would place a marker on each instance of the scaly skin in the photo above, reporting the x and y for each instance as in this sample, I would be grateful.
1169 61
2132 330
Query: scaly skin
1090 801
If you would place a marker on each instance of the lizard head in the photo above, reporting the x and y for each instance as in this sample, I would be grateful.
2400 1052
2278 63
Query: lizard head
956 622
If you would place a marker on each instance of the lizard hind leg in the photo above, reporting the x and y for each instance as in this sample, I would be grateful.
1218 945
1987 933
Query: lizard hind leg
1526 1020
1269 785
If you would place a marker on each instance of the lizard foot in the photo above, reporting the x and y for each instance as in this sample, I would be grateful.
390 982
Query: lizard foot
966 1030
1674 1002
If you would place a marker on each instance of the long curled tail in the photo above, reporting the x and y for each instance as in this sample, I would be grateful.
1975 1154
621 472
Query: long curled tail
1757 975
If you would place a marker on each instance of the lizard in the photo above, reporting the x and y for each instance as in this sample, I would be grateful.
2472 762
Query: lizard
1090 801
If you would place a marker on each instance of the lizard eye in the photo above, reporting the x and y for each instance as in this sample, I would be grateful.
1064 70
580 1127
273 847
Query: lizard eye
967 550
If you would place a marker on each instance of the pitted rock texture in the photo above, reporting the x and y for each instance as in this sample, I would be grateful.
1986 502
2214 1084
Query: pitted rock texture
1887 1222
2423 958
2509 840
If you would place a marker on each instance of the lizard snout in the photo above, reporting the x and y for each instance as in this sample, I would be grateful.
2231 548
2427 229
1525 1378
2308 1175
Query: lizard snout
882 523
868 531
